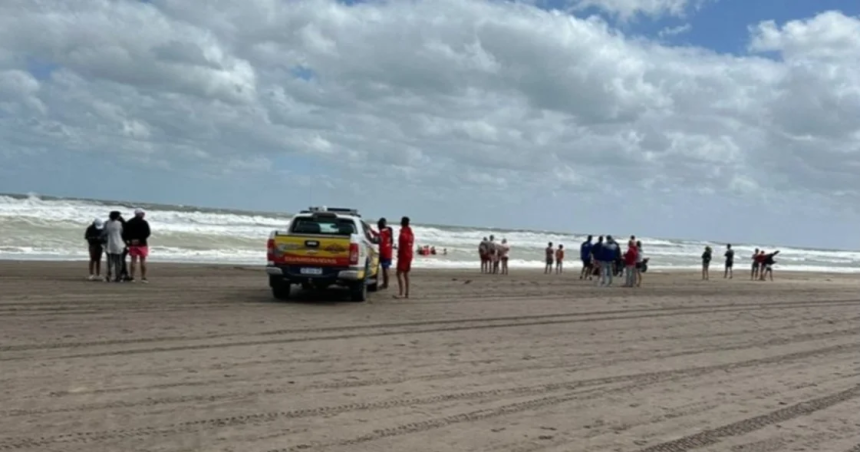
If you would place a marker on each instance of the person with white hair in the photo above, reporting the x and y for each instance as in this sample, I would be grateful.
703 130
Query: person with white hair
114 246
94 235
136 234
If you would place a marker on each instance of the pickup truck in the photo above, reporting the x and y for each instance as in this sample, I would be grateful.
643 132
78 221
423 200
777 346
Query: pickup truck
323 247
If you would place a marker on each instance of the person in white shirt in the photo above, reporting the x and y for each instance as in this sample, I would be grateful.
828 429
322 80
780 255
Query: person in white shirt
114 247
504 250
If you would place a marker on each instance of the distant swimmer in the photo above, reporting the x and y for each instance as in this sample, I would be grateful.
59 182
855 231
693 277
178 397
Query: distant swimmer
559 259
505 249
730 262
550 258
706 263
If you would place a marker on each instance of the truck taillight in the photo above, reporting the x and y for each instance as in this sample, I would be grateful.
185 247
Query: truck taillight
353 254
270 250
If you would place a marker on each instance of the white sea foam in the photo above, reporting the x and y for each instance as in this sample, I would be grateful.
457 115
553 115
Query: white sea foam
37 228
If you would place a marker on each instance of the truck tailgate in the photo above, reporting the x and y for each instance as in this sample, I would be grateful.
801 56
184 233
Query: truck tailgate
316 250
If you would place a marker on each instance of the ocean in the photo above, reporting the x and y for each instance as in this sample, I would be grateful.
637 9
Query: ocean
49 228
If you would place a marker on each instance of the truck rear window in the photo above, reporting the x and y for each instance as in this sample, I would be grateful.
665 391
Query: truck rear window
323 225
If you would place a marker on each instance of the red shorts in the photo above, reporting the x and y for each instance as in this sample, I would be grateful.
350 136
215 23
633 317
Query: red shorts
404 264
138 251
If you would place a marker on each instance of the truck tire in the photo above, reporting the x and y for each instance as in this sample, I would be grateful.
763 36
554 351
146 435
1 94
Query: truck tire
358 291
281 291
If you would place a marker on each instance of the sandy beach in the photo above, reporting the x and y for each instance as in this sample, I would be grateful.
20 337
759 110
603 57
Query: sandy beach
202 359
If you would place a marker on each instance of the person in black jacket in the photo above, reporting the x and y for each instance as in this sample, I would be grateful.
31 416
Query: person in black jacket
94 235
767 265
136 235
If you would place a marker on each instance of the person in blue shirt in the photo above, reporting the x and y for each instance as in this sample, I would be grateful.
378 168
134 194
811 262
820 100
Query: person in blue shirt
610 252
585 255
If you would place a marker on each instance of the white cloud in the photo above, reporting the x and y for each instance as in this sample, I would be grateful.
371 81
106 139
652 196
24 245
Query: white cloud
674 31
440 93
627 9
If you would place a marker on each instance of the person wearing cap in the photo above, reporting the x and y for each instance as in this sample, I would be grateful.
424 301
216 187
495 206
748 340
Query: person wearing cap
94 235
136 234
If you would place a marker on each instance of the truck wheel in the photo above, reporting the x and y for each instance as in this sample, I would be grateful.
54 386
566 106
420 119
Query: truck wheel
358 291
281 291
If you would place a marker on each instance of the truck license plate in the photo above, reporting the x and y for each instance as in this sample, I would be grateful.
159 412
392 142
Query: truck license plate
311 271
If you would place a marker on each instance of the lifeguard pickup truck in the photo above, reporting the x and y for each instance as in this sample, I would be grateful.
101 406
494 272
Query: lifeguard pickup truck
324 246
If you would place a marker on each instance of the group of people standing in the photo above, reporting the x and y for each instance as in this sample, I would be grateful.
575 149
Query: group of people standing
605 259
405 249
118 238
494 256
762 265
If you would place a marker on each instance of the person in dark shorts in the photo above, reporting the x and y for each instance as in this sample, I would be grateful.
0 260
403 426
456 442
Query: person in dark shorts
483 253
550 254
756 265
386 249
730 262
596 255
94 235
585 256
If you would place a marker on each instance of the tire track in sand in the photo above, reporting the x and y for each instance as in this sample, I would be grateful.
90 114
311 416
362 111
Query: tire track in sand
703 310
639 381
742 427
716 308
281 389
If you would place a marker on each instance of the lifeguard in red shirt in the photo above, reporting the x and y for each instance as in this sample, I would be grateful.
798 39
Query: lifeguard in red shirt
386 249
405 247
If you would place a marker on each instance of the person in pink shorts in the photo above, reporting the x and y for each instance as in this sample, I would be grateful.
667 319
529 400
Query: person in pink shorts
136 232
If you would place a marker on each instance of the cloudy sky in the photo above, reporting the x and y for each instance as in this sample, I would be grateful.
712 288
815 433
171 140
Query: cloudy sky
716 119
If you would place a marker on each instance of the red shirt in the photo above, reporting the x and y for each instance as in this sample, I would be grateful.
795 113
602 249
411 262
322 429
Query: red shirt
630 256
386 243
405 243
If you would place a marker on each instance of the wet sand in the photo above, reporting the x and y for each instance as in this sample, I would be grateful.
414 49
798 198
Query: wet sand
202 359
